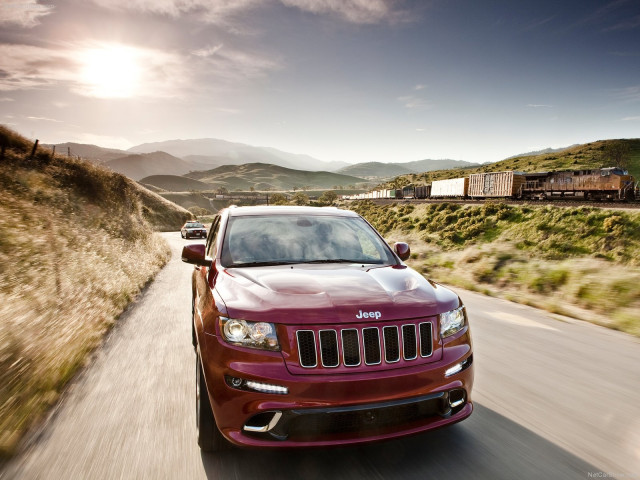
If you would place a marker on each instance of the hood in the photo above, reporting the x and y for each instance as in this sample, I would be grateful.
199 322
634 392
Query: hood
319 294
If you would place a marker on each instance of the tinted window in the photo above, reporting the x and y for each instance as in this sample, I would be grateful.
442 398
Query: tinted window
300 239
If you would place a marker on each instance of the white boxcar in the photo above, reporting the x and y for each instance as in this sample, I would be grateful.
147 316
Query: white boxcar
454 187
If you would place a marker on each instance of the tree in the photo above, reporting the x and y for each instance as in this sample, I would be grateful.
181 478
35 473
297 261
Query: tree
300 198
327 198
616 154
278 199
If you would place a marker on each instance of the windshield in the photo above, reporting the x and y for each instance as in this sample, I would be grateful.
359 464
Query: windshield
284 239
194 225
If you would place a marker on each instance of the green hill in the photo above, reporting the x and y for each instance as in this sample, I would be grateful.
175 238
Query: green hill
77 244
589 155
243 177
174 183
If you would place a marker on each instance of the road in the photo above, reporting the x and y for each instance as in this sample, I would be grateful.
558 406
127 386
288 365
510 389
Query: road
554 399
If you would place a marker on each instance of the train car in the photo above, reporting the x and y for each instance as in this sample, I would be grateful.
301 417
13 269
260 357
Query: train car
408 191
496 184
610 183
455 187
422 191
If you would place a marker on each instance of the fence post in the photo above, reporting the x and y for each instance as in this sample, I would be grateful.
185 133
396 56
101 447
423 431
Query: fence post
54 151
4 147
35 147
68 151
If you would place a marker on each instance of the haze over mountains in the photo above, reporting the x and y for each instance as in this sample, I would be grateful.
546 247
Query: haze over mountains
179 157
387 170
211 152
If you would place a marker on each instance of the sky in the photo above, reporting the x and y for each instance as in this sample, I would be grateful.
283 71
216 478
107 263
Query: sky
340 80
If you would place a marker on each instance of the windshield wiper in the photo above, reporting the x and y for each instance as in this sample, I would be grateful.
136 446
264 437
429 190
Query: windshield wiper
260 264
338 260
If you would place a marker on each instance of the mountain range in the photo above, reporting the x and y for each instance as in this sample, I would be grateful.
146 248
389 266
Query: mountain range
259 176
379 170
212 152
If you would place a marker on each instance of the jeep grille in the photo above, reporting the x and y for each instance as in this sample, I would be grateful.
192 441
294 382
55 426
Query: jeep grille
351 347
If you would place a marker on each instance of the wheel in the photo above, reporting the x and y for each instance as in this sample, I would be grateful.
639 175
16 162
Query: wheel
209 437
182 234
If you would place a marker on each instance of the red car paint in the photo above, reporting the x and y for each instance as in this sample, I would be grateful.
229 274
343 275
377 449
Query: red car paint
335 309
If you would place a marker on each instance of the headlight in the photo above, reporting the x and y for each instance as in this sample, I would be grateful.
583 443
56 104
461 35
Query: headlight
249 334
452 322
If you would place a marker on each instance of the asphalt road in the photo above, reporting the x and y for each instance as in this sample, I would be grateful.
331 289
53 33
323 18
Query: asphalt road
554 399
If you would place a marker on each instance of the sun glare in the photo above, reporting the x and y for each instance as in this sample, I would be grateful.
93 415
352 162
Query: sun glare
111 71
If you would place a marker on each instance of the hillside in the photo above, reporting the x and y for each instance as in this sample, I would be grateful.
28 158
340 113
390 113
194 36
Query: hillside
589 155
243 177
582 262
375 170
77 244
214 152
174 183
143 165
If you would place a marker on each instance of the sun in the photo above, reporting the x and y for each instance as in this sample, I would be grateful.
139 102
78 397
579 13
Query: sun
111 71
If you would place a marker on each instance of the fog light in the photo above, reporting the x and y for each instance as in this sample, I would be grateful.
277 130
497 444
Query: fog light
253 386
456 398
453 370
458 367
266 388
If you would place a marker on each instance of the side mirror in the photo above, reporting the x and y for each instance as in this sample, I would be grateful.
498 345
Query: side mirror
402 250
195 254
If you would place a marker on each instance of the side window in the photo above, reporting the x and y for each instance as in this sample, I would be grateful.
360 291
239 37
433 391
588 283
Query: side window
211 239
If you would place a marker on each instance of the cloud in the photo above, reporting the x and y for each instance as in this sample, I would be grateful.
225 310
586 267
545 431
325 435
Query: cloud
629 94
27 66
207 51
161 74
631 119
6 99
420 87
208 11
45 119
411 102
235 64
221 11
25 13
627 24
538 23
538 105
354 11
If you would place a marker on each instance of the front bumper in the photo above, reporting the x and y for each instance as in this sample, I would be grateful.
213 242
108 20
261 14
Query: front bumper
196 234
335 409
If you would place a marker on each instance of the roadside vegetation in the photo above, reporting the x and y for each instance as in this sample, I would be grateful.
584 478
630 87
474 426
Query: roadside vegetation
582 262
77 244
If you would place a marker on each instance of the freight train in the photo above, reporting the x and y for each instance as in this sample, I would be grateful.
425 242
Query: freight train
610 183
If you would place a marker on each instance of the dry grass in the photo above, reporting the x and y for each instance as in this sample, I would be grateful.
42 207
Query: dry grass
76 246
581 262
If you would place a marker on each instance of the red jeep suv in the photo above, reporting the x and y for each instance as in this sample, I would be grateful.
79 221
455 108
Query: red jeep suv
309 330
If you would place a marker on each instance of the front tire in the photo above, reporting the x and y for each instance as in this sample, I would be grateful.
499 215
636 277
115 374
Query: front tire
209 437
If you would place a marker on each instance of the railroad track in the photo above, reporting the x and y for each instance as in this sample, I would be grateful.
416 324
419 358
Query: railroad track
558 203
